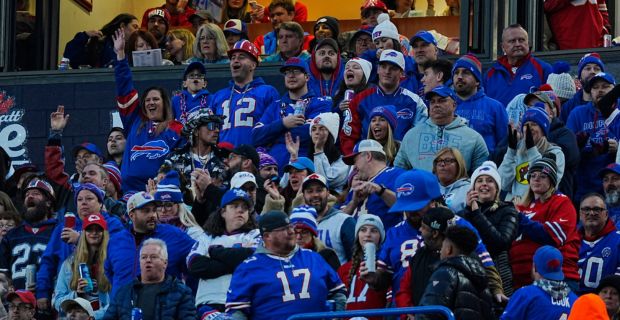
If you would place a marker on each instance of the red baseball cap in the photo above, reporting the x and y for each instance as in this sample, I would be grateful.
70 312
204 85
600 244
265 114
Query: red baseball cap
378 4
96 219
24 295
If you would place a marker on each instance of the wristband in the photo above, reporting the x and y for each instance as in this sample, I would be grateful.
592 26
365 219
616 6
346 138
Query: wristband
380 193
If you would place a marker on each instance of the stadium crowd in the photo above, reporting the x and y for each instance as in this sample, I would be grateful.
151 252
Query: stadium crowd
384 176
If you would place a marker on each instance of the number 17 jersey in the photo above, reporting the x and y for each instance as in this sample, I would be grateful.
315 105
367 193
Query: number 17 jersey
266 287
243 108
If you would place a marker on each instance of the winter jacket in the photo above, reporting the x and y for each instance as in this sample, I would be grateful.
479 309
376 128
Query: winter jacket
485 115
568 106
63 291
502 84
542 300
119 264
337 231
593 130
243 108
184 103
325 88
421 144
410 112
145 151
270 130
497 229
174 301
459 283
515 165
77 52
567 34
455 194
336 172
267 43
561 136
411 80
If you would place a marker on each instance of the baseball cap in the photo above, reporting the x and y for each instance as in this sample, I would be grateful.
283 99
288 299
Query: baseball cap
235 26
300 164
295 63
272 220
394 57
315 177
139 200
612 167
439 218
97 219
548 262
42 185
247 151
441 91
424 36
24 295
600 76
376 4
194 66
414 190
90 147
242 177
362 146
235 194
539 95
245 46
81 302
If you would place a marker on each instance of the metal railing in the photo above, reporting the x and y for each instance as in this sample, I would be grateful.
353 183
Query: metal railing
376 312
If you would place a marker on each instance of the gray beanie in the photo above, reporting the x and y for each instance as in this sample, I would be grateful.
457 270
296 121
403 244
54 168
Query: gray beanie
370 219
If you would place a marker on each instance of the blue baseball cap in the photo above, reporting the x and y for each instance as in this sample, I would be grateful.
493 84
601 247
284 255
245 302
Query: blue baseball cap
235 194
548 262
194 66
424 36
414 190
612 167
301 164
90 147
441 91
295 62
600 76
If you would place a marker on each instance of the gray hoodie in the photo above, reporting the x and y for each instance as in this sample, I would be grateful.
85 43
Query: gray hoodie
422 142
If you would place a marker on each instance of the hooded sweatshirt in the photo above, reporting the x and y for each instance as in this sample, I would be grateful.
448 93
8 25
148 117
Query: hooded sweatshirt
325 88
455 194
485 115
421 143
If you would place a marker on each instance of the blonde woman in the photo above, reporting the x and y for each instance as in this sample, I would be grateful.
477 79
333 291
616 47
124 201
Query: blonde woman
381 128
180 45
210 45
449 167
91 250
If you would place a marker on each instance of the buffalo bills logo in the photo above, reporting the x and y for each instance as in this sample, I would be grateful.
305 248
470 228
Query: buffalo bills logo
484 169
376 34
152 150
93 217
527 76
391 53
405 114
405 190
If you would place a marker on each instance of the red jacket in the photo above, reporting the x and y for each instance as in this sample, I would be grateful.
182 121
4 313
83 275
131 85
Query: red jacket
301 13
576 25
176 20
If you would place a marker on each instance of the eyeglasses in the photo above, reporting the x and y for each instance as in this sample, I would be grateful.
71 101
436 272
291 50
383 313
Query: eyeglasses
7 226
538 175
212 126
595 210
294 72
445 162
302 232
198 76
166 206
22 306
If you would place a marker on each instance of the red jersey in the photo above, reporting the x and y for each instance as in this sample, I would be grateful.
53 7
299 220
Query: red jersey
576 24
360 295
559 220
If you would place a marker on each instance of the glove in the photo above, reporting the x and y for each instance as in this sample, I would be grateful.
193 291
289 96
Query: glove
582 139
529 139
512 138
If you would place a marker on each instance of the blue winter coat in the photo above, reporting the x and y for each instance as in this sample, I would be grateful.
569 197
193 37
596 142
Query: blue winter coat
269 131
119 264
174 301
485 115
572 103
76 52
502 84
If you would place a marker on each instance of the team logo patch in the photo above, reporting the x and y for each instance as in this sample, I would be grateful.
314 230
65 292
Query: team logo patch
521 173
405 190
152 150
405 114
93 217
376 34
527 76
391 53
606 252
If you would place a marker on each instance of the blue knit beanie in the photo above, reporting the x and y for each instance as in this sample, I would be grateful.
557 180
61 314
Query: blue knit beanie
168 188
590 58
538 115
388 112
471 63
305 217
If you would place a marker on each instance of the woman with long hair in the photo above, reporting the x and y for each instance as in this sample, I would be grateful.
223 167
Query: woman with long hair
546 217
231 229
524 148
180 45
152 130
236 9
381 128
449 167
142 40
90 253
327 158
356 75
369 229
496 220
210 45
95 48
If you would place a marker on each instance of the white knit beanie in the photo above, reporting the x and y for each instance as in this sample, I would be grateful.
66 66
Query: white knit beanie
385 28
330 120
562 84
364 64
488 168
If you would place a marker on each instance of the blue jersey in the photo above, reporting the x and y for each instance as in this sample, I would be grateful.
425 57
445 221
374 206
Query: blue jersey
243 107
598 259
24 245
265 286
185 103
485 115
269 131
375 205
403 241
532 303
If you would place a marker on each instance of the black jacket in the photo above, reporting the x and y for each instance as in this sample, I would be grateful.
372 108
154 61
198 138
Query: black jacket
459 283
565 139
